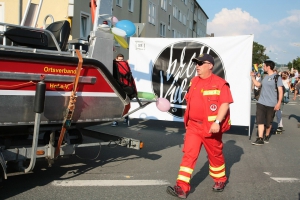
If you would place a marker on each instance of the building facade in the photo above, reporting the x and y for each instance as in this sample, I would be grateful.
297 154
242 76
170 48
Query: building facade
163 18
153 18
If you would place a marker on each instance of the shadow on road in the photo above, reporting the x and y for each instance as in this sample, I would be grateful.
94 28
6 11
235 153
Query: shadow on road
157 135
232 154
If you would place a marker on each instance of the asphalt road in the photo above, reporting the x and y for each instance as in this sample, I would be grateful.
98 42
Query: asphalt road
270 171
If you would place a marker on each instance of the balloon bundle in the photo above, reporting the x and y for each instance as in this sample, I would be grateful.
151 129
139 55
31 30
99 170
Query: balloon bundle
120 29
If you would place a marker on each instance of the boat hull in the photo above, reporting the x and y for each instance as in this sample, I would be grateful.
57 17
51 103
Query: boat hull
99 97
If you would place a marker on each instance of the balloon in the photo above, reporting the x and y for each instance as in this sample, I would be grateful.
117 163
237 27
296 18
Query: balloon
127 26
114 20
163 104
118 32
121 41
146 95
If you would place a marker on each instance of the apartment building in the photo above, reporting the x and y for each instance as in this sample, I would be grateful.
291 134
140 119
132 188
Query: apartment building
154 18
163 18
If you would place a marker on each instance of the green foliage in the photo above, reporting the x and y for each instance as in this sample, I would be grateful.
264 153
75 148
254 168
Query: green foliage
258 53
295 64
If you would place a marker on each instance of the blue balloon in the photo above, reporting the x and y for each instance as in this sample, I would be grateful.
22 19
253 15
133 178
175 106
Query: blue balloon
126 26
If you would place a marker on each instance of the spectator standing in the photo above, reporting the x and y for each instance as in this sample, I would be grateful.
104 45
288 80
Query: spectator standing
287 85
297 88
206 119
293 82
119 58
268 101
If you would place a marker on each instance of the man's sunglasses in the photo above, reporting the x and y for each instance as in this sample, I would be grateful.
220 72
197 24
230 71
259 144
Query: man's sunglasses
201 63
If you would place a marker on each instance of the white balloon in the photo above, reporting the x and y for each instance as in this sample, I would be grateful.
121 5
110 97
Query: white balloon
118 32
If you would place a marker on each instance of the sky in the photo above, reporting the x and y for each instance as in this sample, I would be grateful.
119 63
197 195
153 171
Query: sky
275 24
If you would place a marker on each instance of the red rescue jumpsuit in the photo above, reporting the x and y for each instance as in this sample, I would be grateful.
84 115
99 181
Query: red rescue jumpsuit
204 99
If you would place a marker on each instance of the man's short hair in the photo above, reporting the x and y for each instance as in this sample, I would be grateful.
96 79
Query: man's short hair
120 55
270 63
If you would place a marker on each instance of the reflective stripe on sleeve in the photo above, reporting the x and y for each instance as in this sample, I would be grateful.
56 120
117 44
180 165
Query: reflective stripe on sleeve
212 118
211 92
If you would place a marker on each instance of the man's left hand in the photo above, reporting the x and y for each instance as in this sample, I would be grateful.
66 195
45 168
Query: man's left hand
277 106
214 128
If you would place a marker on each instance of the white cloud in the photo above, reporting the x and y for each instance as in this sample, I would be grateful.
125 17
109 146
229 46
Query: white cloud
234 22
294 18
276 36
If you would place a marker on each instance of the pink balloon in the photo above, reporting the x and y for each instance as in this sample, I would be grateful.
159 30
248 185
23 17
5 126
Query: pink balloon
114 20
163 104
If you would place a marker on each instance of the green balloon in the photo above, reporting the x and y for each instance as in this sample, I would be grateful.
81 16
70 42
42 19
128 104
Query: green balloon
146 95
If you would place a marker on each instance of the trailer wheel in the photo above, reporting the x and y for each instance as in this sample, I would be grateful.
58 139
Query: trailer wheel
76 133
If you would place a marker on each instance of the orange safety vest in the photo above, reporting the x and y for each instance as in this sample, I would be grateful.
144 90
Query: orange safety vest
211 93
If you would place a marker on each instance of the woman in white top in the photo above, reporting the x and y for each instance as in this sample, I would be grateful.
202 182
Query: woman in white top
286 80
287 86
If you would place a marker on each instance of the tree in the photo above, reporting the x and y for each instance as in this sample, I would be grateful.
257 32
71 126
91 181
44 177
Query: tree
258 53
295 64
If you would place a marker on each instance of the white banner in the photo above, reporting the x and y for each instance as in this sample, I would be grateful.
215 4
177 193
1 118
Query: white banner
163 66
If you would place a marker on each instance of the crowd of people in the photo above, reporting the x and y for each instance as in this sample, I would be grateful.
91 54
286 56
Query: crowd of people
271 91
291 78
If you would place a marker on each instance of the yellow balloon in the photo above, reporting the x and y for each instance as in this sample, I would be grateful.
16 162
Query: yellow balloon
121 41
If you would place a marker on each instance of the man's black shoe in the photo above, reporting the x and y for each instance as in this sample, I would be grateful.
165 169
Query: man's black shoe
258 141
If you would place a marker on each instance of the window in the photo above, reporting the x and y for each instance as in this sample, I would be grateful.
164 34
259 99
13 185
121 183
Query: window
163 4
178 34
174 33
170 2
119 3
192 7
169 22
185 2
152 13
130 5
175 12
191 25
85 25
1 15
184 19
162 30
179 16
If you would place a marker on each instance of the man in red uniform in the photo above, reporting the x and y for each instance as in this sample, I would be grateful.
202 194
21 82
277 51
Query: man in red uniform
206 118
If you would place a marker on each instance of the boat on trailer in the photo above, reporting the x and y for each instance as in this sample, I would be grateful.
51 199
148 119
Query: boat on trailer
30 57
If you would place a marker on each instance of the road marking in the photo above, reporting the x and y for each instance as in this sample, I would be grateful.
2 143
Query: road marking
78 183
285 180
